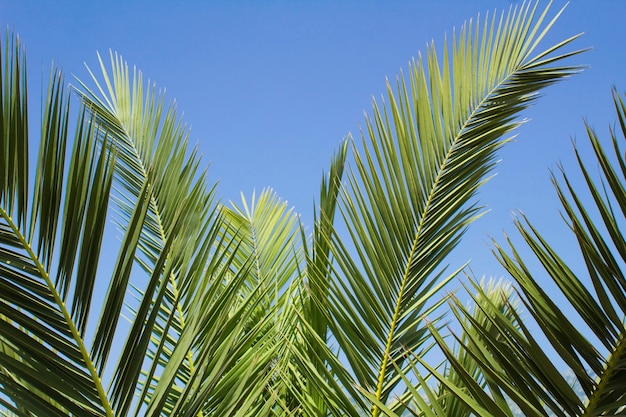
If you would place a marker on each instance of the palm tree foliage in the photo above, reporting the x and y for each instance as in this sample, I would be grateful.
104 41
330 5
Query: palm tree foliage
235 309
587 331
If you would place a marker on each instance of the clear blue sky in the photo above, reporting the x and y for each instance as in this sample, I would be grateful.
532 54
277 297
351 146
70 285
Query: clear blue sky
270 88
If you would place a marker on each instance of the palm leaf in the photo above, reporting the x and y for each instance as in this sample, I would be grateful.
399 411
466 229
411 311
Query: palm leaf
150 143
318 272
269 240
171 230
43 329
590 338
408 195
489 296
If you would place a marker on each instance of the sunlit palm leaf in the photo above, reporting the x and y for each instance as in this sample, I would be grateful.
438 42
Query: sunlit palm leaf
218 336
150 142
408 196
591 338
487 297
45 365
270 240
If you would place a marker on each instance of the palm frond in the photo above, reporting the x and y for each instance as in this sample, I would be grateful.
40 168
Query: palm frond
270 241
586 329
43 328
488 296
14 123
269 237
217 335
600 299
150 142
408 195
318 273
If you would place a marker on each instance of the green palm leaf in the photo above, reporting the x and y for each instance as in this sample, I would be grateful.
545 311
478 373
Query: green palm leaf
150 142
269 240
171 230
490 296
408 195
318 274
45 365
590 339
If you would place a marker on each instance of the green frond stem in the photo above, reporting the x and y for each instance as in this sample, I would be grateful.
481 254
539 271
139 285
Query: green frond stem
399 302
433 191
613 366
66 314
396 317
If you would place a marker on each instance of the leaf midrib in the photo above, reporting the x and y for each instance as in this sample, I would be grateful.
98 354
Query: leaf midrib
442 168
66 314
612 365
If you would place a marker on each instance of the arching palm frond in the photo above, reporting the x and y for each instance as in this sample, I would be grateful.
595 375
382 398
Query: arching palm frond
586 329
197 342
408 195
47 290
270 241
51 362
150 142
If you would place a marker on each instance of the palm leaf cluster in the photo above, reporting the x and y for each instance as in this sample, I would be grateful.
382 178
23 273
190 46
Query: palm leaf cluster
239 310
586 331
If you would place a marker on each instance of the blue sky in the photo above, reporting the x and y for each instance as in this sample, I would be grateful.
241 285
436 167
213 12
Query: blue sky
271 88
